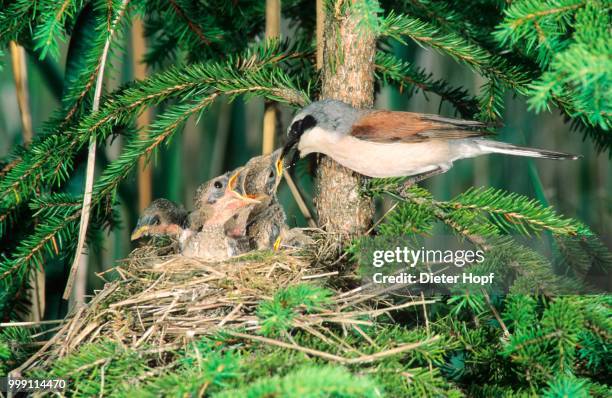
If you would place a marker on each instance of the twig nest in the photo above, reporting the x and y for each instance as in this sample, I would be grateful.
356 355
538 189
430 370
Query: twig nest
159 303
167 299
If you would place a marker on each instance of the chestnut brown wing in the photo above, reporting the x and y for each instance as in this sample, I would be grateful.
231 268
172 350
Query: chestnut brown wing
390 126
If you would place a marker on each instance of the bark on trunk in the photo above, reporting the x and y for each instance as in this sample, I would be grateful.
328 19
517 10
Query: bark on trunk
348 75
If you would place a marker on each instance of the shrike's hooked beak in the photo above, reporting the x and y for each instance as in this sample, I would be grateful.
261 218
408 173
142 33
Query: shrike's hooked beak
291 144
297 129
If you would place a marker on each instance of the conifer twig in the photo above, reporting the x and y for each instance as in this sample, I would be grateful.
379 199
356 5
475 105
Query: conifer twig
495 313
300 201
336 358
91 158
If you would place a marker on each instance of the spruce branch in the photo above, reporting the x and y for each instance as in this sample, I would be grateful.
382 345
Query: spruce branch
567 386
524 270
192 26
48 238
389 68
482 216
49 159
109 19
53 16
527 20
327 380
444 15
80 81
12 20
514 75
513 212
26 176
467 229
459 48
200 30
491 100
107 365
581 74
575 66
49 205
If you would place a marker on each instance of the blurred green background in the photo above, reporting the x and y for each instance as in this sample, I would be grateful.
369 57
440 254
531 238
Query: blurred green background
230 133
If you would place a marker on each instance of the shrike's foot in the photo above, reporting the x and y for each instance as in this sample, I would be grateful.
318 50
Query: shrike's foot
410 181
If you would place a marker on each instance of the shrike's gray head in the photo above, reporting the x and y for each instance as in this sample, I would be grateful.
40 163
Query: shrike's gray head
334 117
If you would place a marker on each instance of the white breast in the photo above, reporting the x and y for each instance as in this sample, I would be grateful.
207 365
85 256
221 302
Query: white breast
378 159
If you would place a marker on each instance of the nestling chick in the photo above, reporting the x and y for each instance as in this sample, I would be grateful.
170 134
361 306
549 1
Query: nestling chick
263 174
264 228
265 220
206 195
162 218
210 241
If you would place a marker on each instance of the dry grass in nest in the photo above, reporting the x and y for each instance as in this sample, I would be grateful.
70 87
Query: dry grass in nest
165 301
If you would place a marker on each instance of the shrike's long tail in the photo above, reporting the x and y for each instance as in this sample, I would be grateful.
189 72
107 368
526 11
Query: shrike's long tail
509 149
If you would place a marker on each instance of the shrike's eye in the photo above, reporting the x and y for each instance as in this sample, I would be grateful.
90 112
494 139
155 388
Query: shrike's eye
296 129
218 184
308 122
300 126
155 220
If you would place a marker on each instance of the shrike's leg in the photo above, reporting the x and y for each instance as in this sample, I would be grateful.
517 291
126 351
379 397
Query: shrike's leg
410 181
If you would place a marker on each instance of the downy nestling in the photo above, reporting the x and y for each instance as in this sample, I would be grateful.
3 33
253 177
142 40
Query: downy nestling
210 240
161 218
266 219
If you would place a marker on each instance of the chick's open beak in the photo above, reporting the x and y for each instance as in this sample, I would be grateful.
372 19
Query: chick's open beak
279 167
235 187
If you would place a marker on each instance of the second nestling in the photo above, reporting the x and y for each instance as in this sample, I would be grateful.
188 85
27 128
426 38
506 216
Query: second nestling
206 237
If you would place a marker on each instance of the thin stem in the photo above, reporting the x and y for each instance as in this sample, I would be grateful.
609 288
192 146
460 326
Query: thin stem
91 159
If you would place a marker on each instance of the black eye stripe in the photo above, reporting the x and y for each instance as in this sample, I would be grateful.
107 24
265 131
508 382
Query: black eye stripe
298 127
308 122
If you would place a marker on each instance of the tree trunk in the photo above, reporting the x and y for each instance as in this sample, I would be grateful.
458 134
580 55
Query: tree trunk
348 75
